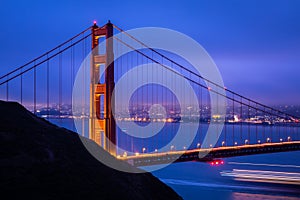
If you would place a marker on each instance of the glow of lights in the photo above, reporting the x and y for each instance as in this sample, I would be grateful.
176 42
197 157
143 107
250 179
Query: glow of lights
264 176
216 162
95 22
223 142
236 118
216 116
264 164
258 141
198 145
235 143
169 120
137 153
172 147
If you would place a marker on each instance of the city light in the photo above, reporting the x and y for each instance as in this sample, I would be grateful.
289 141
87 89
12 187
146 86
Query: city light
172 147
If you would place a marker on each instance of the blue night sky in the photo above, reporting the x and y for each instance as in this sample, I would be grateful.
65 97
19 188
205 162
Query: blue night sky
255 44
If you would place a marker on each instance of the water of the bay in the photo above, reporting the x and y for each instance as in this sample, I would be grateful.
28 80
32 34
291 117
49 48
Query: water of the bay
196 180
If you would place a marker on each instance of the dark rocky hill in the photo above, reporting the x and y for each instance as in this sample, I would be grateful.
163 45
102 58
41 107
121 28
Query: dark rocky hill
39 160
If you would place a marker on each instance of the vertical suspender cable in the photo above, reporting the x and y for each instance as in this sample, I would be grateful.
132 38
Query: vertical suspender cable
208 101
7 90
147 103
84 114
162 93
233 119
34 89
129 109
256 126
225 121
152 102
48 112
132 104
60 84
271 127
190 107
142 102
71 81
297 127
218 126
21 91
285 127
278 131
118 72
264 117
241 122
201 115
248 138
173 100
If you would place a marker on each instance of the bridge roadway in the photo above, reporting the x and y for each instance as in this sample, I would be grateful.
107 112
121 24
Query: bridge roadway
206 155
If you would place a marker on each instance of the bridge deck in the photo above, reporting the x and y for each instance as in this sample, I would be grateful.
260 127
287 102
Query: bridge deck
204 155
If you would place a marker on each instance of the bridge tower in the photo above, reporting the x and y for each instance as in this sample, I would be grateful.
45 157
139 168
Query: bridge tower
102 125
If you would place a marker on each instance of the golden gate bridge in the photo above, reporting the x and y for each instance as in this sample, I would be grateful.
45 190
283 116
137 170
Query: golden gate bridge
45 86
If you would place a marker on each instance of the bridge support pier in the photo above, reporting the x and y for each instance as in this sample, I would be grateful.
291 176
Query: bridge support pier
102 125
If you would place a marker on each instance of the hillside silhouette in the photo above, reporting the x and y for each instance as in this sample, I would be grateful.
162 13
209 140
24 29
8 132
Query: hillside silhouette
42 161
